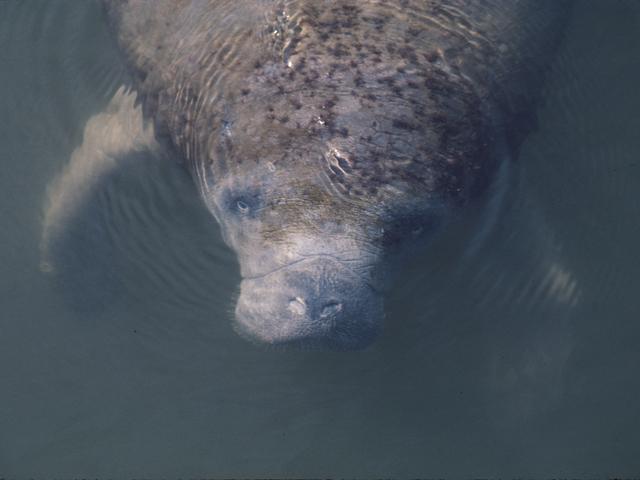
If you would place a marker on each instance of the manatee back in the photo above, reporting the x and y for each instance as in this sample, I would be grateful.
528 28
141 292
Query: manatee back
376 94
505 42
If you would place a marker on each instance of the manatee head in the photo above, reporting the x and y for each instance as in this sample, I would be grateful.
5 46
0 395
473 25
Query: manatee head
314 263
331 152
320 222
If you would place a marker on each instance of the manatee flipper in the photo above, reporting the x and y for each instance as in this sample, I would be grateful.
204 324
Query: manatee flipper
75 243
528 364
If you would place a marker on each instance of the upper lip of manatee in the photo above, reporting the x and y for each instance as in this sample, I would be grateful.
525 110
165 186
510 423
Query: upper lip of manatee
310 258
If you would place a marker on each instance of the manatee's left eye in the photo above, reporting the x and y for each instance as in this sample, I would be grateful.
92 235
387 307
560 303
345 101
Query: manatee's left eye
408 227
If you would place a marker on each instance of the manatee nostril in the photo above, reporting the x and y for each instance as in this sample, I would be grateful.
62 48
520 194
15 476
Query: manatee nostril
330 309
298 306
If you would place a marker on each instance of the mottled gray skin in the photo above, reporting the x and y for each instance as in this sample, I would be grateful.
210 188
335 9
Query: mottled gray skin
326 136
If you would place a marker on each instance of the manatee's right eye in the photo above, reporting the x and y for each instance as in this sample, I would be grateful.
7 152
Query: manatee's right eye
242 207
245 203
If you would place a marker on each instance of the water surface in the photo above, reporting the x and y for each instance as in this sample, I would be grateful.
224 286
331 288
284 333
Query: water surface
515 357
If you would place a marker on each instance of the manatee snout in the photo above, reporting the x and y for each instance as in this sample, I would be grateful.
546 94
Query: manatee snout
318 303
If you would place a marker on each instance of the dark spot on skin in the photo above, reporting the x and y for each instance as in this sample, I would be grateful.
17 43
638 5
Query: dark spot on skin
408 53
437 86
378 22
432 56
245 91
257 64
403 125
300 65
390 81
353 64
330 103
340 50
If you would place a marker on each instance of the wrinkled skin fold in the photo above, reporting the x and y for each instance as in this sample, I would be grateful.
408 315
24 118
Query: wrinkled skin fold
329 137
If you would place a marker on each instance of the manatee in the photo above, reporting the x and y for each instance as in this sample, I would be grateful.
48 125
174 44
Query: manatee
330 138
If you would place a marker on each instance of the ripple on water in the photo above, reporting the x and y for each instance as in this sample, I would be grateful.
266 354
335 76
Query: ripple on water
141 236
144 224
